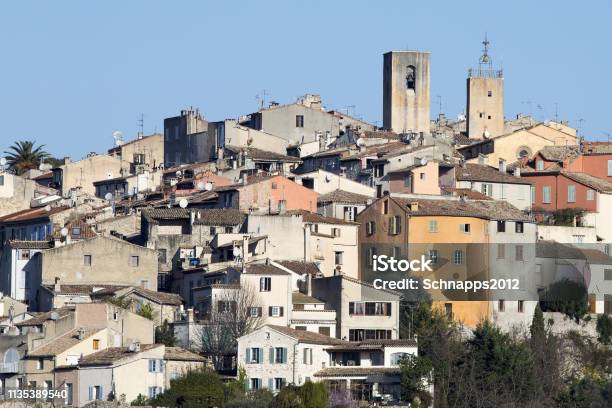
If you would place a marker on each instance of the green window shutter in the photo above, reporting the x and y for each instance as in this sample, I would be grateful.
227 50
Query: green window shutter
248 355
271 355
261 351
284 355
271 383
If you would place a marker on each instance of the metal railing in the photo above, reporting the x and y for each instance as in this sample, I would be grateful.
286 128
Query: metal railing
485 73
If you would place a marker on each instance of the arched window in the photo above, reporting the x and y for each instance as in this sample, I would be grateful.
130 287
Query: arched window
523 151
410 77
11 356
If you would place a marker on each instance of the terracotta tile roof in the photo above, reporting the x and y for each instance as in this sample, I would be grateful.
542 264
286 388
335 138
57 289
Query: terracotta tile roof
470 194
83 289
180 354
595 183
377 150
43 317
85 230
303 336
559 153
462 140
301 267
220 217
112 355
479 172
353 371
491 210
595 148
315 218
63 342
264 155
553 249
159 297
29 244
44 176
264 269
342 196
32 214
301 298
156 214
379 134
258 178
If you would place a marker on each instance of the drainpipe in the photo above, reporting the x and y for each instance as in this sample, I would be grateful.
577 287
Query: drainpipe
294 354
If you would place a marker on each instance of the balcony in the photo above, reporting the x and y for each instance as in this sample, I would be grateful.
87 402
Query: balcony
298 316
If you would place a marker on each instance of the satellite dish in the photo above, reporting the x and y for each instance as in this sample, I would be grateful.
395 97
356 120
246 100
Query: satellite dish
183 203
360 142
108 196
201 185
208 186
486 133
327 178
64 232
118 136
47 208
236 252
2 161
424 161
179 174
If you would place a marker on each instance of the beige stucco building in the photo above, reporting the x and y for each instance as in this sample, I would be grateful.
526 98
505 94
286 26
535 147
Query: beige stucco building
80 175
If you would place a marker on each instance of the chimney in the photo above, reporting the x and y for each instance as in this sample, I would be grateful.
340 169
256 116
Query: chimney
502 165
245 249
483 159
190 318
309 284
517 171
81 333
57 287
192 216
244 179
307 255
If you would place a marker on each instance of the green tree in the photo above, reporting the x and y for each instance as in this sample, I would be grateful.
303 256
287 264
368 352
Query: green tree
415 370
288 397
146 310
255 399
164 334
140 401
568 297
197 388
314 395
23 156
586 393
545 351
604 328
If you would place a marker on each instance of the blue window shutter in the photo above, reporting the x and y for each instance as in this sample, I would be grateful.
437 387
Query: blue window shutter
90 393
248 355
284 355
271 383
161 366
101 396
271 355
261 351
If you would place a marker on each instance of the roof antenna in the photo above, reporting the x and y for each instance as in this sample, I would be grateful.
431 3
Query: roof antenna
141 125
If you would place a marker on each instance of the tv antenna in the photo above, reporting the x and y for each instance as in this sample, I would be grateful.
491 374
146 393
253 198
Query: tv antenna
261 98
439 98
141 124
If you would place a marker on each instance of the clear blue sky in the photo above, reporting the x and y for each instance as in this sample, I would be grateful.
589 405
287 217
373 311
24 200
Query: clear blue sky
72 72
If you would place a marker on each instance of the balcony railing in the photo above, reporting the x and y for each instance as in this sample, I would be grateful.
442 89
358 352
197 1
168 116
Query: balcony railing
485 73
9 368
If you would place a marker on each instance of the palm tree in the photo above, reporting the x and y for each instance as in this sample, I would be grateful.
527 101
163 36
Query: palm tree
22 156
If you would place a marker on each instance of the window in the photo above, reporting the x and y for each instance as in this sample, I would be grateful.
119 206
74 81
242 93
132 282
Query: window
265 284
395 225
275 311
280 355
489 117
336 232
144 284
501 251
489 93
302 328
386 207
371 251
278 383
87 260
255 311
571 193
161 255
24 254
590 195
422 176
407 181
299 121
480 115
370 308
486 189
540 165
410 77
76 231
307 356
96 344
519 227
324 330
433 256
521 306
501 305
69 390
608 274
213 230
368 334
1 180
255 383
607 249
134 261
448 310
370 228
40 363
350 213
96 392
433 225
379 170
501 226
465 228
254 355
274 185
396 252
546 194
458 257
338 257
609 167
518 252
154 391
